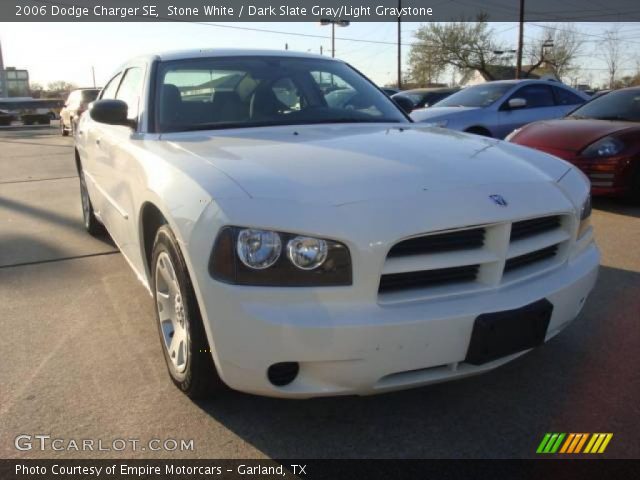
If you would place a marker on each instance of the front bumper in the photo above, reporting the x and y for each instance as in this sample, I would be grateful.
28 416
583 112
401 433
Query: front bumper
364 347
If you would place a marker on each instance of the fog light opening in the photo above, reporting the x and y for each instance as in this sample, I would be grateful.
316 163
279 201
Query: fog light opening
281 374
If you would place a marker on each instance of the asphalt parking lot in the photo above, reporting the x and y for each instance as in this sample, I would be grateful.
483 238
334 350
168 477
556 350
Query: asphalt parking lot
81 357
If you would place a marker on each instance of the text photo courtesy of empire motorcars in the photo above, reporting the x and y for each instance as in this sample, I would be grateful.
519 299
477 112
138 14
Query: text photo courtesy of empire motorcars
306 239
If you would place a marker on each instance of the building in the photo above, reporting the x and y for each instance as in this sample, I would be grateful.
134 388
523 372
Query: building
13 82
504 72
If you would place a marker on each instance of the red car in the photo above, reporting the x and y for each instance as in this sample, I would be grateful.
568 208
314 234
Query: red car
602 138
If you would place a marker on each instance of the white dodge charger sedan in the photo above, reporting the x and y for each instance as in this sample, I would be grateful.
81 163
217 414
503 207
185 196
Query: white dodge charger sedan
295 248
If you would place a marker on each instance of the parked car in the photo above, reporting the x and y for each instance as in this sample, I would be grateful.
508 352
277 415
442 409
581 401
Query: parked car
389 91
425 97
74 107
6 118
602 138
298 249
495 109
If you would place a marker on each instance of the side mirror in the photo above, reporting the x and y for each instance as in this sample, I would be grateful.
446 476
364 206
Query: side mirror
403 102
516 103
111 112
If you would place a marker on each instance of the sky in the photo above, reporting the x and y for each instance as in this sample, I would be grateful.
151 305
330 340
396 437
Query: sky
68 51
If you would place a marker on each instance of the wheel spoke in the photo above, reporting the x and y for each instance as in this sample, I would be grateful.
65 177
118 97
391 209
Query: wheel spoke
164 304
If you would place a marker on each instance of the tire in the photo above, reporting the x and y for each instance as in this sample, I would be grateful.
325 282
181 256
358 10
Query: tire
479 131
64 132
91 223
188 360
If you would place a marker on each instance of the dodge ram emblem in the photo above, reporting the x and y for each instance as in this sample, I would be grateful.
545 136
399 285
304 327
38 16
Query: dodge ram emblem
498 200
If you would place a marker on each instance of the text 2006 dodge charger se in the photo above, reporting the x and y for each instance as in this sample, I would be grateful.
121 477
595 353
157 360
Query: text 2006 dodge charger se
296 246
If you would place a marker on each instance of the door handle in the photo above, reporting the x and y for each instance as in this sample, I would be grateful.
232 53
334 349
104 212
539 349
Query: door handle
98 141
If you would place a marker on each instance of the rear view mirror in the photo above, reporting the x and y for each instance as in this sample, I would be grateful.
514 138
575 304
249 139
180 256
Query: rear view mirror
111 112
403 102
515 103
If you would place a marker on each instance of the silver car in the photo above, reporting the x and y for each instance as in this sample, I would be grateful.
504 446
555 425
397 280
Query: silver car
495 109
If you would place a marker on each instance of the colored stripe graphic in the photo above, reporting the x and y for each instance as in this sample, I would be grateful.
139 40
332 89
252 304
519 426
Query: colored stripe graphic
605 442
581 442
544 441
573 443
567 442
556 445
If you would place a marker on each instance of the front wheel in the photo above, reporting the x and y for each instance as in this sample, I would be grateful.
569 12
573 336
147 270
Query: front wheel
91 223
184 342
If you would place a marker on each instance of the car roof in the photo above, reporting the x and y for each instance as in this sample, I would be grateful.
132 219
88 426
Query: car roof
235 52
526 80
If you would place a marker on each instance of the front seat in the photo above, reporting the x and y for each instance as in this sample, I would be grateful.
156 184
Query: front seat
264 103
170 106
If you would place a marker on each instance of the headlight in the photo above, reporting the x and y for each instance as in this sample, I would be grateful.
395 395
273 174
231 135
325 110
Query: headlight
512 134
585 216
439 123
605 147
307 253
258 249
245 256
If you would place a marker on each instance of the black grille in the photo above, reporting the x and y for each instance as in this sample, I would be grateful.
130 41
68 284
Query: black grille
460 240
427 278
529 258
528 228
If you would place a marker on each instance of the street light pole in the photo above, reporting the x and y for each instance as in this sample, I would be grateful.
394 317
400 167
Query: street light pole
333 39
520 41
333 23
399 47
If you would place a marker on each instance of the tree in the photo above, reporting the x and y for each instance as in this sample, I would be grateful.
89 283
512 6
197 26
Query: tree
612 53
60 87
463 45
424 65
36 90
556 48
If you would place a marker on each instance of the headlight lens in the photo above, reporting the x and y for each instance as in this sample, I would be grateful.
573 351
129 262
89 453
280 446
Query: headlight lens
512 134
307 253
605 147
258 249
585 216
245 256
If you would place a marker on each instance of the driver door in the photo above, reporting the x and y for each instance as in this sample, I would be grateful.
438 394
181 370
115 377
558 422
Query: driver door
540 105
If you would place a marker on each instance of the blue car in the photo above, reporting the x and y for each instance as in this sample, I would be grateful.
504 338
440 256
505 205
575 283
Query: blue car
495 109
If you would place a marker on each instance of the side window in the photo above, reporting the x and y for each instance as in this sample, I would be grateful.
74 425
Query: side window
130 90
536 96
339 94
566 97
109 92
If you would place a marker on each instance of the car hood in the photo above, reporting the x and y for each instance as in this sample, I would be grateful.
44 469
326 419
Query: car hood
568 134
338 164
434 113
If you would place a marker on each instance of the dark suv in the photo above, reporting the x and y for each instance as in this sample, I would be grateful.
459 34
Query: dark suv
76 104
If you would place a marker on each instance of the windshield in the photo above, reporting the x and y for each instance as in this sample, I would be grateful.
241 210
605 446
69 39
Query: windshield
476 96
621 105
232 92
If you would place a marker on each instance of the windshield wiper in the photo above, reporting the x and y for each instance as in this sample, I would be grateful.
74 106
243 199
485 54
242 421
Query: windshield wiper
229 125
